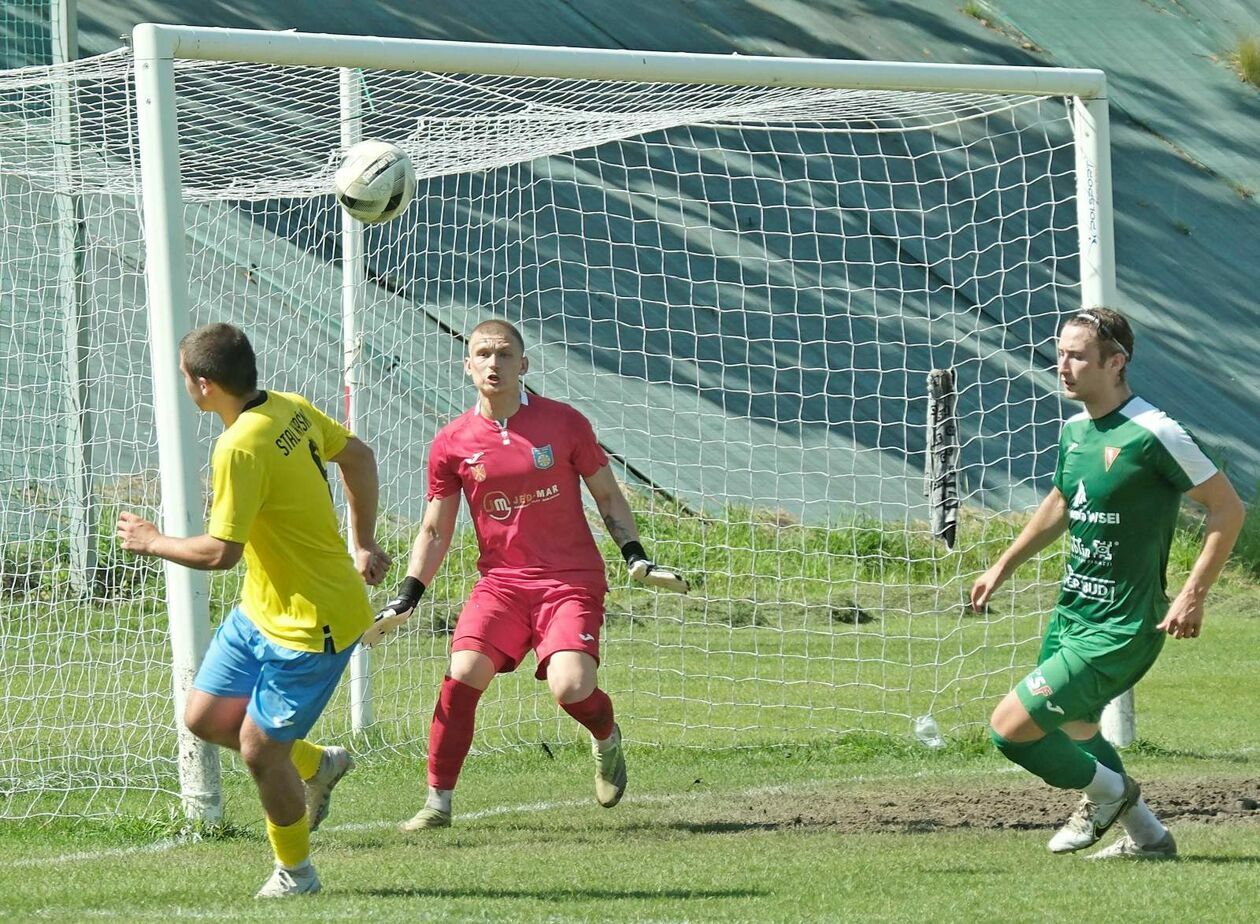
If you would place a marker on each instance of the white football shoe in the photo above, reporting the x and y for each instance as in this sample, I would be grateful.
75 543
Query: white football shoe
285 882
1092 820
1127 848
334 763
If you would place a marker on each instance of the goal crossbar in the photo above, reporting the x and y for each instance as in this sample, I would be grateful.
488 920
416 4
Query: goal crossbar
312 48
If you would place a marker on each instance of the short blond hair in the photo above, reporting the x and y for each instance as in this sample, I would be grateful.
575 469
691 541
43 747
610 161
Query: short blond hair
499 325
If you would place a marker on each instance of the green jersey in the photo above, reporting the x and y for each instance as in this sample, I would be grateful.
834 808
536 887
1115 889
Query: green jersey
1123 476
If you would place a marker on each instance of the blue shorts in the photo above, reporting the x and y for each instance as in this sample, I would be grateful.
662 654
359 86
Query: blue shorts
287 689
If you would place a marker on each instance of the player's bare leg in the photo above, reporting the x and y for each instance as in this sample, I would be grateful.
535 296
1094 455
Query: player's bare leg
451 734
283 800
218 719
571 676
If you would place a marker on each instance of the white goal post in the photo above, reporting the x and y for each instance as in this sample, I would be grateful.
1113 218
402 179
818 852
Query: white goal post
745 270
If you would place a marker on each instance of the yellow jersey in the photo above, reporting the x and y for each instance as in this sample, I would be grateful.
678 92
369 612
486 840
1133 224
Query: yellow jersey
271 493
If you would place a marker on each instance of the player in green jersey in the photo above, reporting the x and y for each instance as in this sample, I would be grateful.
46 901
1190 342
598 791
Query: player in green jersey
1122 468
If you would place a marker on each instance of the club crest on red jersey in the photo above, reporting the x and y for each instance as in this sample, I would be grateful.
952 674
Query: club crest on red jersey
478 471
543 457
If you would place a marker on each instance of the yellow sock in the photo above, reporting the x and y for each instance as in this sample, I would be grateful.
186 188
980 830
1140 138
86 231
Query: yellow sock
306 757
290 843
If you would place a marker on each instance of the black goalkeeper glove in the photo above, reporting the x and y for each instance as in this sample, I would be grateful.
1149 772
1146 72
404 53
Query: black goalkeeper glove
647 572
395 612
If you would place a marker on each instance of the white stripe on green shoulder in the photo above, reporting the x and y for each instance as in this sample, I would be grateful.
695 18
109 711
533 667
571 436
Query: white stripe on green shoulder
1173 437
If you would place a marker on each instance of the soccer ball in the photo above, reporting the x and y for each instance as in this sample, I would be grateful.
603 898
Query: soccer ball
375 181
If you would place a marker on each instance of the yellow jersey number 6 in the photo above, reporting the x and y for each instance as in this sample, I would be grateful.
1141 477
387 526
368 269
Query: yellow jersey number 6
319 464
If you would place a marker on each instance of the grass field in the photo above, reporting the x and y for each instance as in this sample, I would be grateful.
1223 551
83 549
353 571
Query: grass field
793 634
862 826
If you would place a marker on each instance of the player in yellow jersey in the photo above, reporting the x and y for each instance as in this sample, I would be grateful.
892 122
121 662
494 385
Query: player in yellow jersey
275 661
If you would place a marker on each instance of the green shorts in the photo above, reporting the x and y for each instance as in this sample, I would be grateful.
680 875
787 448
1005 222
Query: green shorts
1079 671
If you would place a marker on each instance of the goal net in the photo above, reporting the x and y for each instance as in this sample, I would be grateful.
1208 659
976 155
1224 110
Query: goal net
745 288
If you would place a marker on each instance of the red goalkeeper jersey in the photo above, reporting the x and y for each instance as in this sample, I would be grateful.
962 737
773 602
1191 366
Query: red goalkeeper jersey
522 478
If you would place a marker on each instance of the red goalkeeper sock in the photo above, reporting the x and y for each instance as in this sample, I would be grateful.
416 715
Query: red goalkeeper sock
451 734
595 712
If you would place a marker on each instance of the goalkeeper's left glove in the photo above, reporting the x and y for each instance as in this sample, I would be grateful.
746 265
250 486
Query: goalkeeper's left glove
645 571
395 612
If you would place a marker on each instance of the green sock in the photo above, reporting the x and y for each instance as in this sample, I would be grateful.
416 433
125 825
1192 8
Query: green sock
1055 758
1101 748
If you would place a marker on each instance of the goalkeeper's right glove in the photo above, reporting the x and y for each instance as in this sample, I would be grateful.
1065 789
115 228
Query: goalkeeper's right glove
646 571
395 612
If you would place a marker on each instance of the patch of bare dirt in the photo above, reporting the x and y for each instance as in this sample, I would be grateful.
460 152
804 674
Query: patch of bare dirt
1026 808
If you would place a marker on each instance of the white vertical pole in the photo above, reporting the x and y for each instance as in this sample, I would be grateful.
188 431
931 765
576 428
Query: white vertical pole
1093 202
75 332
1098 289
352 282
64 26
187 591
1119 720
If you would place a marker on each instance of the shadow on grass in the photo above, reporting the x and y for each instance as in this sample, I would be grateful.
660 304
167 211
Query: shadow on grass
726 827
560 895
1251 860
1151 749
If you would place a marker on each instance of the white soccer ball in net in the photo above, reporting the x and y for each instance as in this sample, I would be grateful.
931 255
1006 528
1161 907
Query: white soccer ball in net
375 181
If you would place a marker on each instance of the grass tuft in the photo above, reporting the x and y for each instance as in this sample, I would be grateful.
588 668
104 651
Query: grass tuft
146 827
975 11
1247 60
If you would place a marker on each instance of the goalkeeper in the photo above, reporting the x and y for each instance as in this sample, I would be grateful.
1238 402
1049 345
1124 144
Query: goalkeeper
275 660
520 460
1122 468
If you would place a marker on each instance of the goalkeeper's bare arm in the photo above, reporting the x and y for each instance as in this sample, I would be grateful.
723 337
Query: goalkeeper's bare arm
614 509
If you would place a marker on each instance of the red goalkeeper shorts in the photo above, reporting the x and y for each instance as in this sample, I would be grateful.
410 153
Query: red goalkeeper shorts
504 620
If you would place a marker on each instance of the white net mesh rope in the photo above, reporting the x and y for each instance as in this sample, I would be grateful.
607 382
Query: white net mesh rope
743 288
